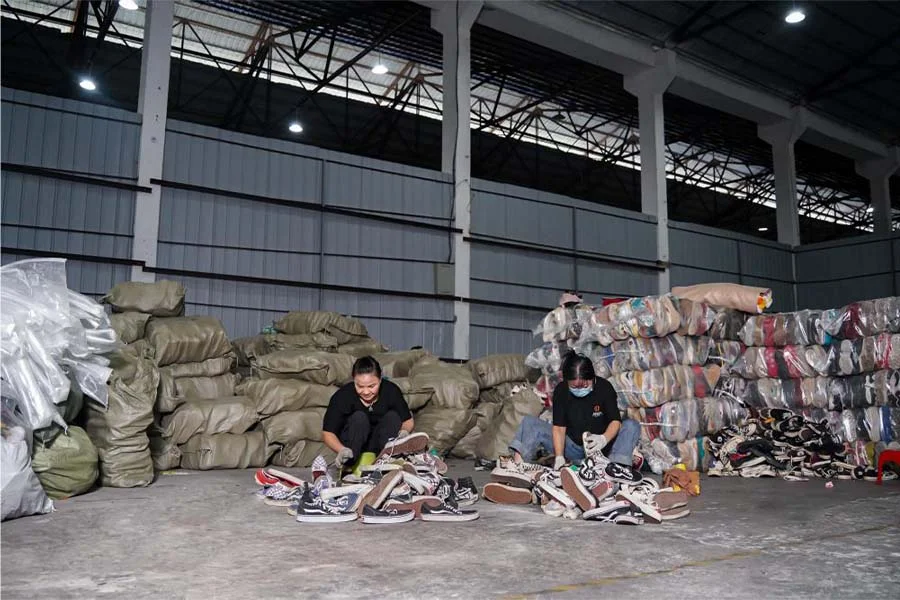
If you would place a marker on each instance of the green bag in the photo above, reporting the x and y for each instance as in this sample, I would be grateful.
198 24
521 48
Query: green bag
68 465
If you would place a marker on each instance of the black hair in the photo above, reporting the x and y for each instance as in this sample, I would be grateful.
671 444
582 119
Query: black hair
365 366
576 366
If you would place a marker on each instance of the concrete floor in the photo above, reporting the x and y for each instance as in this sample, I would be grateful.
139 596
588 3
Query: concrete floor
202 535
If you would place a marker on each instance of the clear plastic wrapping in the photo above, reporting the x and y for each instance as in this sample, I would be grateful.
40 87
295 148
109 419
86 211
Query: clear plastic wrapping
725 353
777 393
642 354
861 319
785 362
727 324
20 489
881 388
648 317
666 384
855 356
801 328
563 323
548 357
685 419
696 317
662 455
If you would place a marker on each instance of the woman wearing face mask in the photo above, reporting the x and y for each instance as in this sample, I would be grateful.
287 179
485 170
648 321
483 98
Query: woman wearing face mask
586 419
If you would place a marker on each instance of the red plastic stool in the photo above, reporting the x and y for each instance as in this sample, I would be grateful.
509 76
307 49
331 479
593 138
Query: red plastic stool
886 456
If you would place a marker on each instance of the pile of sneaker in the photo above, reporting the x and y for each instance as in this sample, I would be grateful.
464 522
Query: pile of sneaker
597 490
780 442
405 483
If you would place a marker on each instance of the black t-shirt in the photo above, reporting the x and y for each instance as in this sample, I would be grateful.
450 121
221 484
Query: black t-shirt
593 413
346 401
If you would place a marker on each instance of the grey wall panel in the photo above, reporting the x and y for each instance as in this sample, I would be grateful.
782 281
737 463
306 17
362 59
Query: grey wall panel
507 318
606 279
363 237
522 220
679 275
764 262
67 135
485 340
373 273
782 293
688 248
522 267
512 293
240 262
834 294
852 260
615 236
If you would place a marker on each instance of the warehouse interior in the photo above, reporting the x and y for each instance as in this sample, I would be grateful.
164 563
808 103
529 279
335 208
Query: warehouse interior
240 198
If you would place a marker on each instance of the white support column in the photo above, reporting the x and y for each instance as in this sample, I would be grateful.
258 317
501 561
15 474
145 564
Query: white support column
454 20
878 172
152 106
649 86
781 136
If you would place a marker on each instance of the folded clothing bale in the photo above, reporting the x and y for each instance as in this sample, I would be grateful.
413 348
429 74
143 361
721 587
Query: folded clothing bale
298 341
225 451
234 414
129 326
67 466
187 339
119 431
301 454
494 440
292 426
745 298
453 386
316 367
801 328
343 329
414 399
248 348
398 364
667 384
165 453
160 299
643 354
855 356
362 347
493 370
862 319
273 396
444 426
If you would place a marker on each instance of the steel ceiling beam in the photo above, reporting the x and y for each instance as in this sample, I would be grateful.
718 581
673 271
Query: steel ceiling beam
816 91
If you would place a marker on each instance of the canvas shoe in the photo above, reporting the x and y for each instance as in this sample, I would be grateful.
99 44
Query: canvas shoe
578 490
762 470
674 513
670 500
414 443
312 509
465 496
553 509
447 513
483 464
466 483
422 483
283 477
642 500
554 494
425 462
614 511
372 515
573 513
516 474
382 490
283 496
414 503
500 493
273 490
319 467
261 477
622 473
384 464
360 489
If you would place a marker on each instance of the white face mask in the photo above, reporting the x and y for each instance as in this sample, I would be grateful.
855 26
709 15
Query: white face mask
581 392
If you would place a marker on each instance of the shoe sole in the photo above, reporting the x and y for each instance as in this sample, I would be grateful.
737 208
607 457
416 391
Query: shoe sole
354 488
451 518
500 493
606 511
411 444
345 518
377 496
560 496
624 480
674 513
415 505
519 481
650 513
285 477
261 478
577 491
401 518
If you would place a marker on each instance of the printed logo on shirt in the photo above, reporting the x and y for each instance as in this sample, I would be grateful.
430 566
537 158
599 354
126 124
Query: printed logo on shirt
597 411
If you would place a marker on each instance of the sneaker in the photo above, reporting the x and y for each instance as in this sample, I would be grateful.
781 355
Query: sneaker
554 494
670 500
322 483
414 504
382 490
360 489
273 490
642 501
414 443
622 473
283 496
446 512
319 467
467 483
573 513
425 484
401 490
465 496
312 509
516 474
674 513
370 478
501 493
261 477
372 515
384 464
483 464
425 462
445 490
613 511
577 489
553 509
283 477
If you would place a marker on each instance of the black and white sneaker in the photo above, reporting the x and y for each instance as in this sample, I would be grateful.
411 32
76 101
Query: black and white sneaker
483 464
466 492
622 473
614 511
447 512
312 509
371 515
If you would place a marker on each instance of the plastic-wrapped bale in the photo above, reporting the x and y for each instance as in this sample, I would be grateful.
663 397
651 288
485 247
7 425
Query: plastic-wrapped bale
299 341
21 493
165 453
273 396
859 355
301 454
248 348
881 388
363 347
129 326
398 364
343 329
234 414
546 384
160 299
696 317
453 386
316 367
414 399
643 354
69 410
786 362
564 323
68 465
648 317
548 357
801 328
493 370
689 418
728 324
728 295
225 451
175 391
661 455
658 386
862 319
119 431
495 439
874 424
179 340
444 426
725 353
293 426
777 393
485 413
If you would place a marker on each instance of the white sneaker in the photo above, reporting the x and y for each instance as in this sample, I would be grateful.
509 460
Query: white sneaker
553 509
555 494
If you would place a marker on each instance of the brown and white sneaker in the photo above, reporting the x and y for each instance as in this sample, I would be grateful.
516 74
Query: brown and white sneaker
642 500
670 500
414 505
382 490
500 493
674 513
577 490
414 443
517 474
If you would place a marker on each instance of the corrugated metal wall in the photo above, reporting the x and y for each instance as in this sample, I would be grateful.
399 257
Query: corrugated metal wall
837 273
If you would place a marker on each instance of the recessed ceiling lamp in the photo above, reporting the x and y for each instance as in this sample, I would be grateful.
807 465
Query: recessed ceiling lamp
128 4
762 229
87 83
295 127
380 69
794 16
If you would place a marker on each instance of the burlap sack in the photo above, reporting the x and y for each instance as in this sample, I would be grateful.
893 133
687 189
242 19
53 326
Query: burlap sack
444 426
273 396
289 427
748 299
500 393
485 413
493 370
494 442
360 348
235 414
313 341
301 454
398 364
160 299
415 400
248 348
344 329
453 386
68 466
425 363
207 368
173 392
129 326
120 431
165 453
187 339
316 367
225 451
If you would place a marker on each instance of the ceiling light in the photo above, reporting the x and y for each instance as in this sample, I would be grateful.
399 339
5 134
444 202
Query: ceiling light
295 127
128 4
762 229
88 84
380 69
795 16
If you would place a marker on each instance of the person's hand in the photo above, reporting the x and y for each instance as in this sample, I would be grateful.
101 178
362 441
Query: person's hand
559 462
594 442
343 457
403 433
